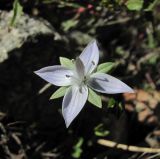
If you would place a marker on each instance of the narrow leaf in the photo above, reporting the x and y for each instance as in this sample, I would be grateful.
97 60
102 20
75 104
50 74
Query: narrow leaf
94 98
105 67
151 5
17 11
59 93
66 62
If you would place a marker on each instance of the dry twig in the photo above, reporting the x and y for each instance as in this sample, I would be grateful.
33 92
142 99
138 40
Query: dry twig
124 147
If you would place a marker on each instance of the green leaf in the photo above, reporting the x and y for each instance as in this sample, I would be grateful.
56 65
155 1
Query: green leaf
105 67
77 150
153 59
151 6
77 153
100 131
68 24
66 62
79 143
101 134
111 103
59 93
94 98
134 4
17 11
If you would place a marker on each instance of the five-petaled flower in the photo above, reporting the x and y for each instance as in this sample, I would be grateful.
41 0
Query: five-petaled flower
79 79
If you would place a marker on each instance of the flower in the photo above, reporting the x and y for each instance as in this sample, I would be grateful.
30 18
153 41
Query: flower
79 79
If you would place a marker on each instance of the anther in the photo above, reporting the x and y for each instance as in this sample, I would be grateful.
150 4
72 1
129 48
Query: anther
93 62
68 76
80 89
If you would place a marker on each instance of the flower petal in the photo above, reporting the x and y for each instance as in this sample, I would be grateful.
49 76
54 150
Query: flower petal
73 102
90 57
105 83
80 69
57 75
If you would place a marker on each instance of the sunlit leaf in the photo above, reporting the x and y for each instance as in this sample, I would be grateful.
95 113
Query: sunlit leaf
134 4
59 93
153 59
17 11
105 67
66 62
94 98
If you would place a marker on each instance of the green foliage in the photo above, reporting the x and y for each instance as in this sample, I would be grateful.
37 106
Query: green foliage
134 4
66 62
120 51
94 98
100 131
17 11
105 67
59 93
153 59
152 5
66 25
151 40
77 150
111 103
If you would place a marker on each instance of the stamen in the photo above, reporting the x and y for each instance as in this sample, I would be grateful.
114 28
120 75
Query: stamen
93 62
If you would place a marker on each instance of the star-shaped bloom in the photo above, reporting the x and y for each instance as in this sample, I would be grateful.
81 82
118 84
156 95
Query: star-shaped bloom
80 79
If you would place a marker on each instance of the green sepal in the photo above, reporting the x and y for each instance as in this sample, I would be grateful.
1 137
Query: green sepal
66 62
94 98
105 67
59 93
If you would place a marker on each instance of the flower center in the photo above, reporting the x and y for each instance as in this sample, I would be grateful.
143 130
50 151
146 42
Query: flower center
78 80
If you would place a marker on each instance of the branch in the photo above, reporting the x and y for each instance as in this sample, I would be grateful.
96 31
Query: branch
124 147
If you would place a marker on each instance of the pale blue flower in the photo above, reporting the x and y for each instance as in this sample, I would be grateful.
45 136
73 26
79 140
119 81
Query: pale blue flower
79 79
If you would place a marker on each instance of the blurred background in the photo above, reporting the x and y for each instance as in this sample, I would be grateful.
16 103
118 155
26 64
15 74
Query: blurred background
34 34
